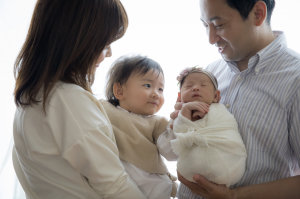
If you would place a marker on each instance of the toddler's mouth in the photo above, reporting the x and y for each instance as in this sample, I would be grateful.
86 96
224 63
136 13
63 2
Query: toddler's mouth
154 103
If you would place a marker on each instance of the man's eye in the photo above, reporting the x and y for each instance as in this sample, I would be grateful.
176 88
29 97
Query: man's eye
205 25
147 85
218 26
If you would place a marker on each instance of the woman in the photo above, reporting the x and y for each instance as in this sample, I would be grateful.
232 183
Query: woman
63 138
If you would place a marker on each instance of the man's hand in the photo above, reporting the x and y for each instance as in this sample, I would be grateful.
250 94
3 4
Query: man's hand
207 189
192 107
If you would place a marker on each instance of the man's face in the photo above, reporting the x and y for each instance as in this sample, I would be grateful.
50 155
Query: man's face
226 29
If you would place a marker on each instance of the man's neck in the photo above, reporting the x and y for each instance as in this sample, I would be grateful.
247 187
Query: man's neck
262 42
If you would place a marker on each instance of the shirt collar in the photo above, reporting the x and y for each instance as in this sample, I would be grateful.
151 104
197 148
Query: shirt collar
122 109
264 56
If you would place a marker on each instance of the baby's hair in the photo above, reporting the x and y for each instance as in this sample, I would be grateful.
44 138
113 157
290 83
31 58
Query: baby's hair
126 66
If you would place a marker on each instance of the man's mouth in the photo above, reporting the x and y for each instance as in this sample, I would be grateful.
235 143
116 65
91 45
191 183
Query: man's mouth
221 49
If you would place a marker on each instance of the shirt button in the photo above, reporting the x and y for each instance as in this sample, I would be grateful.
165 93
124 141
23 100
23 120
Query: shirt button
256 71
238 78
227 105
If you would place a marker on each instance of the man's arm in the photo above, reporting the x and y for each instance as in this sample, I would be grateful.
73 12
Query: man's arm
288 188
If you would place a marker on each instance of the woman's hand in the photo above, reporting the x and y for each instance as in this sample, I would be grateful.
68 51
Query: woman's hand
207 189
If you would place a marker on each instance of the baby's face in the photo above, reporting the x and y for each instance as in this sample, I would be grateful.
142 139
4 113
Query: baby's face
144 93
198 87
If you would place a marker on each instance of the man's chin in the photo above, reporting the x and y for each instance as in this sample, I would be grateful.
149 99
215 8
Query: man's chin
227 58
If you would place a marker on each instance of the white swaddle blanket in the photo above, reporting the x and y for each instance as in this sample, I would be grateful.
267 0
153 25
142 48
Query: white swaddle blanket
211 146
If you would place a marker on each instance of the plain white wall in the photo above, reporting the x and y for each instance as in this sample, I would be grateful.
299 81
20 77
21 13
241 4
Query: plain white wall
168 31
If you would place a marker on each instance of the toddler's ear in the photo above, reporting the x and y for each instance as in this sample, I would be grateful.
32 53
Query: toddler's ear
118 91
217 97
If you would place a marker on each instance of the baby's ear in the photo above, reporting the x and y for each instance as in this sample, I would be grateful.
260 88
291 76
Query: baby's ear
217 97
118 91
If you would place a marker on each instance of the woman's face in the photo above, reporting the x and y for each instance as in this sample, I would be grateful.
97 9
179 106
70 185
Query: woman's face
105 53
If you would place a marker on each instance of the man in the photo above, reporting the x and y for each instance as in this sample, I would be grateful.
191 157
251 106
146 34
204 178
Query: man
259 80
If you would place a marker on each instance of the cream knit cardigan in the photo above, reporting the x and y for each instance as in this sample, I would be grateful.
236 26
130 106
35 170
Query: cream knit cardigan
136 138
211 146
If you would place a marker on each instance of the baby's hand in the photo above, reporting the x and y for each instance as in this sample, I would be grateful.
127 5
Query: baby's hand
197 115
190 107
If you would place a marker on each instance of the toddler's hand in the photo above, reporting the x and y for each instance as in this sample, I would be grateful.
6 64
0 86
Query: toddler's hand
190 107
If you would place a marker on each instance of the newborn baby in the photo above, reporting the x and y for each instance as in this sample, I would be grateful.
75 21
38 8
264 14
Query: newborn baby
207 138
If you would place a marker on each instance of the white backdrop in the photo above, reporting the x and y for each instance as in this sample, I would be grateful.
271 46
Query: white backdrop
168 31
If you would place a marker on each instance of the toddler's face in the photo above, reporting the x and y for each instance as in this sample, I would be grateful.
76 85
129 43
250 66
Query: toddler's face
198 87
143 94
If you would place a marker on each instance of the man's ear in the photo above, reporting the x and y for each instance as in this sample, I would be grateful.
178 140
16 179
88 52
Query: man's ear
217 97
118 91
260 12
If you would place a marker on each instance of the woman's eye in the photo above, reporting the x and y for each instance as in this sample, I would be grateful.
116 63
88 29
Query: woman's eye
147 85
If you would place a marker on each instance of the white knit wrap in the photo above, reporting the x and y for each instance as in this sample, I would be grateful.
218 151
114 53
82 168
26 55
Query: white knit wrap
211 146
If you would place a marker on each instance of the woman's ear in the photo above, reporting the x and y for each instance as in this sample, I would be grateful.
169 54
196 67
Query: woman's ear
217 97
118 91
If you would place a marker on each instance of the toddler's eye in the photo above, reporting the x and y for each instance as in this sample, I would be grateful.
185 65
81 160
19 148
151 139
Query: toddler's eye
162 90
147 85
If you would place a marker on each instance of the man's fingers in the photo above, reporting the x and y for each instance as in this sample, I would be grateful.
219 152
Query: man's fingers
195 188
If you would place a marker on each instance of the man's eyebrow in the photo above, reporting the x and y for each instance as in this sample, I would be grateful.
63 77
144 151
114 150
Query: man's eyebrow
212 19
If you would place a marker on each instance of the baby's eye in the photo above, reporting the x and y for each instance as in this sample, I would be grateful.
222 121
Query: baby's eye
147 85
162 90
203 85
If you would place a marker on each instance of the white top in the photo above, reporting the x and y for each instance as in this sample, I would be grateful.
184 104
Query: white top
71 152
154 186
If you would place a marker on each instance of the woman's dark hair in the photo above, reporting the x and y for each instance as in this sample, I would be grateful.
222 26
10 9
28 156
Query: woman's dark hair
123 68
245 6
64 41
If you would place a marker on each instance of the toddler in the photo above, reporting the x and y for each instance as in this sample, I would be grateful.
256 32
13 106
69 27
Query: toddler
135 93
208 141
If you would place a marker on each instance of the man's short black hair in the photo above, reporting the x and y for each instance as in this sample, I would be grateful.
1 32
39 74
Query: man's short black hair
245 6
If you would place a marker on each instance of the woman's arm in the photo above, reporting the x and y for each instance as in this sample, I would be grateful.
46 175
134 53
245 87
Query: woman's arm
87 143
279 189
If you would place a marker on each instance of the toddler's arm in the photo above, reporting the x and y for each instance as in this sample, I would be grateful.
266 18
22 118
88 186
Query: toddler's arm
164 144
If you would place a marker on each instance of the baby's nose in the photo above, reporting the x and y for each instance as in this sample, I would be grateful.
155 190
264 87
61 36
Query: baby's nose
196 88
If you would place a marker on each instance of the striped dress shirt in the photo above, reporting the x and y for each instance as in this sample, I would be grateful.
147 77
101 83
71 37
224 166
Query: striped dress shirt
265 100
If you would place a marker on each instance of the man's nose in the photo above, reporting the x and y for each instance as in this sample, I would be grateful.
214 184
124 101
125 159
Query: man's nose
212 36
